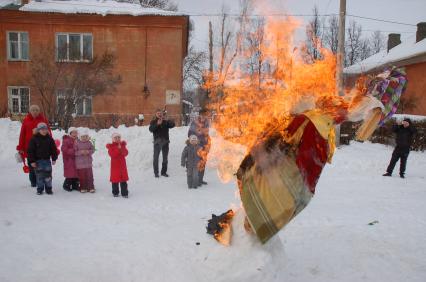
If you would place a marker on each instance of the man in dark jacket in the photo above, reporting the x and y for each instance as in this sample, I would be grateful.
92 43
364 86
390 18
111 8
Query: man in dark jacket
41 149
200 127
159 127
404 139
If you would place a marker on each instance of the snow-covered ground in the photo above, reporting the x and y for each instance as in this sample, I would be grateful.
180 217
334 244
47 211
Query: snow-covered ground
153 235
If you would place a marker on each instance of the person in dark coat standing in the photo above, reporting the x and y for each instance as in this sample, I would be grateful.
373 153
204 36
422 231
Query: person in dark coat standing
41 150
159 127
28 130
405 132
200 127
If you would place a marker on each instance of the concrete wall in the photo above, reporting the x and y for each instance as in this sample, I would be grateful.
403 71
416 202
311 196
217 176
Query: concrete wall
164 39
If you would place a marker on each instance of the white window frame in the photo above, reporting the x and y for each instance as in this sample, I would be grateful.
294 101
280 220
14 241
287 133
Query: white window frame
9 57
85 99
9 99
68 43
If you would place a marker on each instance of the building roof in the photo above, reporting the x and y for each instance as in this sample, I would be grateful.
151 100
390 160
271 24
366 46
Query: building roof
100 7
402 52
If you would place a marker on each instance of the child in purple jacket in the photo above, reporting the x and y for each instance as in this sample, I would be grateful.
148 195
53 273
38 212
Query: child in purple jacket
68 156
83 160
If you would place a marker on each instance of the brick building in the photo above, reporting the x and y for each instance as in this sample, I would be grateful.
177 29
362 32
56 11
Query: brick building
410 54
150 46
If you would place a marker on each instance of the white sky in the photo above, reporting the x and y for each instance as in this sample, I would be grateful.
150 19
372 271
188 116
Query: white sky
406 11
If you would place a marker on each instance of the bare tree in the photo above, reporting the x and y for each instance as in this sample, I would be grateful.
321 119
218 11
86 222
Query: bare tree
62 86
255 37
354 43
330 34
194 68
377 42
365 50
313 37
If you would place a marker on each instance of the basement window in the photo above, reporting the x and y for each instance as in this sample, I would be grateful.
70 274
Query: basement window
82 104
18 99
17 46
74 47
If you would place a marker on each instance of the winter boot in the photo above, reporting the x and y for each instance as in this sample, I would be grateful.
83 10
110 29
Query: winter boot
401 175
387 174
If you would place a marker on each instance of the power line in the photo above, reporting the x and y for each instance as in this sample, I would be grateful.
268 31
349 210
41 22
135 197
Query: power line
380 20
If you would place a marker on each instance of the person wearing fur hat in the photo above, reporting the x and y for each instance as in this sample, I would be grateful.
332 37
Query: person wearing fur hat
118 152
68 156
83 162
28 130
405 132
191 160
42 154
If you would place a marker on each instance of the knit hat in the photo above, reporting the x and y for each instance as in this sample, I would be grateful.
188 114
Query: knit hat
193 138
407 120
84 132
42 125
71 129
115 134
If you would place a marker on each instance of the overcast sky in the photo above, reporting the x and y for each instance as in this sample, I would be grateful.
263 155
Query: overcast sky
405 11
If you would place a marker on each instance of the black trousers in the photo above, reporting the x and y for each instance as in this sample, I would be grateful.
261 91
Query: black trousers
164 149
33 177
71 184
399 153
116 190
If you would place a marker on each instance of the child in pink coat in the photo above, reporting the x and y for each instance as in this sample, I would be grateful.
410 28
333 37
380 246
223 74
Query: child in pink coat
68 156
83 161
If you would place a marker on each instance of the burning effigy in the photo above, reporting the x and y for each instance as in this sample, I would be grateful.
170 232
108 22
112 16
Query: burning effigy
286 123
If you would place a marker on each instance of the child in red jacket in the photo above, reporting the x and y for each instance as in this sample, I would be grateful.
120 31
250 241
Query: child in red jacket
118 152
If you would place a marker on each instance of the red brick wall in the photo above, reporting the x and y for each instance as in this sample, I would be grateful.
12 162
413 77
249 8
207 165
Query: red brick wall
123 35
416 87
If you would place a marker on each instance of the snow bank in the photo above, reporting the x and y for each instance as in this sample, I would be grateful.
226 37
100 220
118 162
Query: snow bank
412 117
4 3
100 7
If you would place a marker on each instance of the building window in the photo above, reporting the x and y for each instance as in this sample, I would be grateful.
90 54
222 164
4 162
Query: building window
65 99
17 46
74 47
19 100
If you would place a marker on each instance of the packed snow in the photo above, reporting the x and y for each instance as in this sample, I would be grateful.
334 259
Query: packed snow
412 117
403 51
4 3
158 233
100 7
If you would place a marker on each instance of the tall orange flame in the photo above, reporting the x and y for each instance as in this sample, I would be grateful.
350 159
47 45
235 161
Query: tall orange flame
245 104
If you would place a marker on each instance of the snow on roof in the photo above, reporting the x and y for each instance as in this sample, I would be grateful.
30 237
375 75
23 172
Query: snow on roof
4 3
403 51
100 7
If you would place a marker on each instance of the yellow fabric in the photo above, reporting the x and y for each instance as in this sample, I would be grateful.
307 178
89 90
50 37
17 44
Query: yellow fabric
325 126
295 138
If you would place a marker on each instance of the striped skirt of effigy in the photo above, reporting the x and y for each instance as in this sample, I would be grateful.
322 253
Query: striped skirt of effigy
277 178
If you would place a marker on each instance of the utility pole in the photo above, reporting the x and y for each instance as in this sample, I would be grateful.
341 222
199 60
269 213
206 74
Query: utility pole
341 48
340 58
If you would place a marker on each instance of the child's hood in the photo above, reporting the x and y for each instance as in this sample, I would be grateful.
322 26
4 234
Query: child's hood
114 144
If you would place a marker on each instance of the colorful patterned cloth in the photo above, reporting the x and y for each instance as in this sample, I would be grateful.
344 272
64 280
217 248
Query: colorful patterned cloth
278 178
388 88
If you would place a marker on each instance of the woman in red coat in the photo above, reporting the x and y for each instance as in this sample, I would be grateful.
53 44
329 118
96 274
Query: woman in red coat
29 125
118 152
